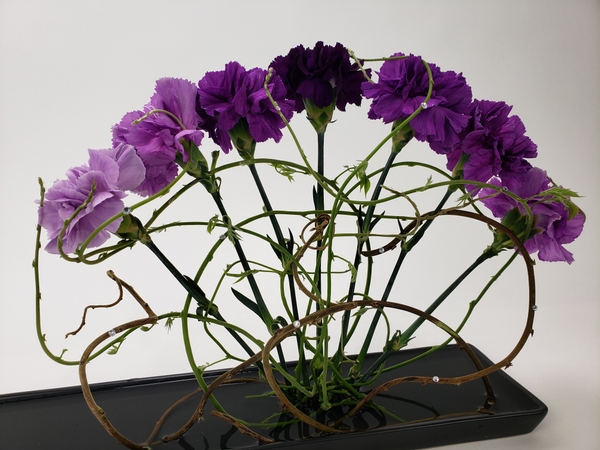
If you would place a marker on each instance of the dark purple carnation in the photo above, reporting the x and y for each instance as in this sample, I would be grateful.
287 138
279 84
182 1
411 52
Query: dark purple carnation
157 137
494 144
552 226
322 74
234 94
402 88
112 171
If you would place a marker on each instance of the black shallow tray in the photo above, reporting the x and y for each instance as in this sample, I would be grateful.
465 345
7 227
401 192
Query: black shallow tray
440 414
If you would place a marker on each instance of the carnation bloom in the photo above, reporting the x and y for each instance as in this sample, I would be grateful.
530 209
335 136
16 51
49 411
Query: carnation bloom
157 137
323 74
110 171
402 88
208 123
552 226
234 95
494 144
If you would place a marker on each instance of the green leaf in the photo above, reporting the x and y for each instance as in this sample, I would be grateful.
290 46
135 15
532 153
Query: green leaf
246 302
115 348
364 181
360 312
212 223
243 275
427 184
353 270
169 323
464 199
284 170
573 209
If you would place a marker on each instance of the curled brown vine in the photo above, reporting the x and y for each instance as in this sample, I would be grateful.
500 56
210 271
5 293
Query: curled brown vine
311 319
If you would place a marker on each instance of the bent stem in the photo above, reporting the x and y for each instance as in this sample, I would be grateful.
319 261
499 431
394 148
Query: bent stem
262 307
267 204
458 329
260 303
365 225
407 335
193 290
394 275
487 254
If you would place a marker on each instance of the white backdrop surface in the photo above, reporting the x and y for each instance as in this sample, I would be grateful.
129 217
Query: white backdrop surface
70 70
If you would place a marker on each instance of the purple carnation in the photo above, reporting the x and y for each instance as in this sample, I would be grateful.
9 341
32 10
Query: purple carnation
235 94
494 143
112 171
402 88
552 226
323 74
208 123
157 137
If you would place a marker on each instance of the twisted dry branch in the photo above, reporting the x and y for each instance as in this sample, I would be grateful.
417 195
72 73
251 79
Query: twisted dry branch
85 386
321 223
313 319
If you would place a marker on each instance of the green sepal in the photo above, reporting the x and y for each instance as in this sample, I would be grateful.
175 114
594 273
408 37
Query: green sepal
519 224
319 117
131 228
198 166
402 137
242 140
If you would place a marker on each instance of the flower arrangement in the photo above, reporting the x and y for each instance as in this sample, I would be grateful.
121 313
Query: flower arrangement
324 266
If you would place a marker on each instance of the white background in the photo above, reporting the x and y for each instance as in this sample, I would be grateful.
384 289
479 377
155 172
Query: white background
70 70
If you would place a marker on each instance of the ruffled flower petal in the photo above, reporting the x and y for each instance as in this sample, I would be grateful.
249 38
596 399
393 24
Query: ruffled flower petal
495 143
236 94
322 74
156 138
66 196
552 226
402 88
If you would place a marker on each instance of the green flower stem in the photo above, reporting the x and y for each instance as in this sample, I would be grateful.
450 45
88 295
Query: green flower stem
268 208
487 254
262 307
392 279
320 197
265 314
408 333
489 284
194 292
472 306
279 236
365 228
319 201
